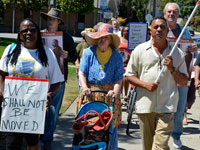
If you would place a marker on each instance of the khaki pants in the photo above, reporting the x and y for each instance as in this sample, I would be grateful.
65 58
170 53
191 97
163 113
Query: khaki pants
156 130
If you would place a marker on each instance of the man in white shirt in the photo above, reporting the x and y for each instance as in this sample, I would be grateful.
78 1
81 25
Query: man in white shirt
156 102
116 29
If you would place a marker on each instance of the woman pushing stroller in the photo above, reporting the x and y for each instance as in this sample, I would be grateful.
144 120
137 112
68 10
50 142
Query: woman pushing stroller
101 68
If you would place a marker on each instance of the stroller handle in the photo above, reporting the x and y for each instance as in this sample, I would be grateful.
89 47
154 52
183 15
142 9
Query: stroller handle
100 91
93 91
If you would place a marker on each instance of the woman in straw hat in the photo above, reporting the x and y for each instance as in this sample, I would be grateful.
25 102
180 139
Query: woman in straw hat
101 67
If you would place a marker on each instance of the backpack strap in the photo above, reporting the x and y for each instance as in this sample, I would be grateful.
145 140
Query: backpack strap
11 47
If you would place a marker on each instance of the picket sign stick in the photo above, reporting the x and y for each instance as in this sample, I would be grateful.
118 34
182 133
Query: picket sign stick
176 43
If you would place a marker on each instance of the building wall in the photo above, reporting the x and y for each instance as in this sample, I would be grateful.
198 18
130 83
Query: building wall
69 19
19 16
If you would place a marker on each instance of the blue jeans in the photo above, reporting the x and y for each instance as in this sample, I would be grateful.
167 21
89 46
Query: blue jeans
114 140
178 116
53 113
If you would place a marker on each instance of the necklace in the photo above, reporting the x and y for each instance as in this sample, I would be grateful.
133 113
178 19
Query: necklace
101 66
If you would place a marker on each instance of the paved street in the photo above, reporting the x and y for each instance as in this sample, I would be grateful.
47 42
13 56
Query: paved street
190 138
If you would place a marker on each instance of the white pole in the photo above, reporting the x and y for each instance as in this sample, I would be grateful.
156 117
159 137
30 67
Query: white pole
13 20
97 11
176 43
150 3
117 12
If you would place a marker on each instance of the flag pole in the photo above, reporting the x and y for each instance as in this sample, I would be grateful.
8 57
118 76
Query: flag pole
177 41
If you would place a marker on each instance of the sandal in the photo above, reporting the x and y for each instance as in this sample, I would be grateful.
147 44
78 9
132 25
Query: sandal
185 122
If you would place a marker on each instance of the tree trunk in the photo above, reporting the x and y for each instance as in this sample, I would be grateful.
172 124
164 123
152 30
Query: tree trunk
28 13
76 25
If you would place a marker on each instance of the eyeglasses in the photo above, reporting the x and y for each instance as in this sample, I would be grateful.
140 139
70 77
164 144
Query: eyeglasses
25 31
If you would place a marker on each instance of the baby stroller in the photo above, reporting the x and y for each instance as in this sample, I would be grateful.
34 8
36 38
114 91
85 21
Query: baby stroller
93 125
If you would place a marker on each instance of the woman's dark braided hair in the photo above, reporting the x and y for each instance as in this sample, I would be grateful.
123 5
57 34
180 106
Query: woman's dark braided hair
13 56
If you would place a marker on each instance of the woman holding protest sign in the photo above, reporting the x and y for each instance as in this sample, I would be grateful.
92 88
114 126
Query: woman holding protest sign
29 58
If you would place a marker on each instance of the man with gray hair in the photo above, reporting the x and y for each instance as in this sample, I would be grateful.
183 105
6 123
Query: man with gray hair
171 14
116 29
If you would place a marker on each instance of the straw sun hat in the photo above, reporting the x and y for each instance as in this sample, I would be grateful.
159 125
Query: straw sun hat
103 30
54 13
87 30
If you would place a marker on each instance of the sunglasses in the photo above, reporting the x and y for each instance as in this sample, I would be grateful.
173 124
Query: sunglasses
25 31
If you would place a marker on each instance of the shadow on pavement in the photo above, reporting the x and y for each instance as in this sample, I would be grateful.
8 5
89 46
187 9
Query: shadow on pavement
134 133
186 148
191 130
193 121
64 129
121 148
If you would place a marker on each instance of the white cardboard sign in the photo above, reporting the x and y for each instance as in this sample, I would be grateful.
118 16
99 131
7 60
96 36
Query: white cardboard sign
183 43
49 37
137 34
24 107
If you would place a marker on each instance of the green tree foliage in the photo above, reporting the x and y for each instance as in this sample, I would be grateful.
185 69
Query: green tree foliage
76 6
22 4
197 20
1 6
139 7
197 23
27 5
186 7
133 10
161 4
126 11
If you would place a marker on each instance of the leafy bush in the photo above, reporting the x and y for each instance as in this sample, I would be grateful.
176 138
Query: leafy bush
198 29
197 20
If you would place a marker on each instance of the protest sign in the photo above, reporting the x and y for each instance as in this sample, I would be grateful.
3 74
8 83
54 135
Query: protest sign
54 40
24 105
49 37
182 44
137 34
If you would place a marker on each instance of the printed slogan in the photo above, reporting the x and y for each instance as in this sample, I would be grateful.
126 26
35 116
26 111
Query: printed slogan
24 105
137 34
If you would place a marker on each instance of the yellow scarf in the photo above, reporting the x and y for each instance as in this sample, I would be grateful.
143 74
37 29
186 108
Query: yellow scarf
103 57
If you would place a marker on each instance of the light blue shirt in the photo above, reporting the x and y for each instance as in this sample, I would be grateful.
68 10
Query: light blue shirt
112 72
